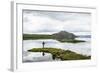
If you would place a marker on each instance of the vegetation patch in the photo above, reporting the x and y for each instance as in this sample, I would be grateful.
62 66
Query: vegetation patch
61 54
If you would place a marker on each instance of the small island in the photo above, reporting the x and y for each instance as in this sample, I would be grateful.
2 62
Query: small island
62 36
61 54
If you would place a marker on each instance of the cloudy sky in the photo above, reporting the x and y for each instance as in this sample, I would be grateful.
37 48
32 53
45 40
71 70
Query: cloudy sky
49 22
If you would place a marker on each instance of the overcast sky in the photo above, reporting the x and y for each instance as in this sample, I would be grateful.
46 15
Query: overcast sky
51 22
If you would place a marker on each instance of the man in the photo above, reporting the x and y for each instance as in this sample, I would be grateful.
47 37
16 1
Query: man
43 43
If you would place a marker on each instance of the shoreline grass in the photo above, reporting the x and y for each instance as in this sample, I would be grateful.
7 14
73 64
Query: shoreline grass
61 54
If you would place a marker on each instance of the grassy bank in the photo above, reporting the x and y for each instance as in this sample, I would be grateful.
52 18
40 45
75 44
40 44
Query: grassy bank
61 54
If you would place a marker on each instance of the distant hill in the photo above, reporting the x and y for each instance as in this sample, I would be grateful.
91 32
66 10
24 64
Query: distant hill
64 35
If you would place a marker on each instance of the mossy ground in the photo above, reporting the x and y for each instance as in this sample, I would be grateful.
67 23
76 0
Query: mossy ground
61 54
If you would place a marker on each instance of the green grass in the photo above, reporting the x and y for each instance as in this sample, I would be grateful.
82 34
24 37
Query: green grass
61 54
36 36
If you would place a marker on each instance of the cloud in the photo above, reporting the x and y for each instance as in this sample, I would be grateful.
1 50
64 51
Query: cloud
42 22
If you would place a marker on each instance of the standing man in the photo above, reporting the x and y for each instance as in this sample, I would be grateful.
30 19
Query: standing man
43 43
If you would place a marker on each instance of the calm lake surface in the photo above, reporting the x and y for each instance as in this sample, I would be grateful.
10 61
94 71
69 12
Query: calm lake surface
81 48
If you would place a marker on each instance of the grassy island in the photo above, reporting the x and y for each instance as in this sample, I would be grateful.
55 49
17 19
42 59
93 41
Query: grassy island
61 54
61 36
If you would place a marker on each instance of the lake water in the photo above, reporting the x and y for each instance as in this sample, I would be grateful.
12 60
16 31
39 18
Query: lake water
81 48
